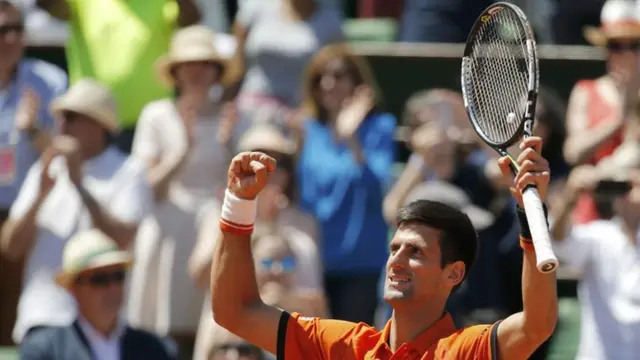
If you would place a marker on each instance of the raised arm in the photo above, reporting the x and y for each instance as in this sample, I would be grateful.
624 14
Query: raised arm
521 334
235 299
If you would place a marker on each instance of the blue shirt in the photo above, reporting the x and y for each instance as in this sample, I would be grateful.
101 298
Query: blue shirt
48 81
346 197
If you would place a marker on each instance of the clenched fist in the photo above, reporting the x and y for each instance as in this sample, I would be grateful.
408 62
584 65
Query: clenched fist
249 173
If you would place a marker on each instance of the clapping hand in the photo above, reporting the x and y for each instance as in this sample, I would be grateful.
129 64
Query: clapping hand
69 148
27 112
353 112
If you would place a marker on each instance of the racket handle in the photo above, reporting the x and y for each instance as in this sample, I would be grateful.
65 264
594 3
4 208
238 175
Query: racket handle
546 260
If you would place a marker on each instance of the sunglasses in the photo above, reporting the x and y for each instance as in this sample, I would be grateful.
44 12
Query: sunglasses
9 28
286 265
104 279
619 46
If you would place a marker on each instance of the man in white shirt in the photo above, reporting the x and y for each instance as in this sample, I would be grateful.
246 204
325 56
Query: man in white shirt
607 253
93 271
80 182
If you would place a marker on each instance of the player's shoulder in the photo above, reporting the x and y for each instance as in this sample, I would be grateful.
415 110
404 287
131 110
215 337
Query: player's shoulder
477 340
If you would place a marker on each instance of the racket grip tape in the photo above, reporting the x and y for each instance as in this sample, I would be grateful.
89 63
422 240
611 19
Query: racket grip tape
534 226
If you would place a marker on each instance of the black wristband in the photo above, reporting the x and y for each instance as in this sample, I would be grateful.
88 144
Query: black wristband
525 232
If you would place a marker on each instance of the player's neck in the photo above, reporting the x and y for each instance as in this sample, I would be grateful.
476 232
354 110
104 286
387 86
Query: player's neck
407 325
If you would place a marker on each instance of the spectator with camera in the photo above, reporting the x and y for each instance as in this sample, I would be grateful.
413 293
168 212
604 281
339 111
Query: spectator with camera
605 252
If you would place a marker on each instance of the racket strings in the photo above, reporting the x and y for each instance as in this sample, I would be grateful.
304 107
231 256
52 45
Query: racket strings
496 76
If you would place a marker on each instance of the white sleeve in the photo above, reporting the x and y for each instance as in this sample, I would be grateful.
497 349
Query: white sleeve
249 11
576 250
133 202
145 143
28 192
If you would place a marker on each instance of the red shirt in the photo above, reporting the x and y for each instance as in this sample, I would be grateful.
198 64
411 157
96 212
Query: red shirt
324 339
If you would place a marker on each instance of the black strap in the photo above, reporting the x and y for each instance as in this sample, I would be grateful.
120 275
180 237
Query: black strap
282 335
494 341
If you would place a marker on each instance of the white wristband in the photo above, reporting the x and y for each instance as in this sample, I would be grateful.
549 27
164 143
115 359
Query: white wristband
236 211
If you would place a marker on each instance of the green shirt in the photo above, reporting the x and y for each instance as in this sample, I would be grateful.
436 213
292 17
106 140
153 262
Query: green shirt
117 42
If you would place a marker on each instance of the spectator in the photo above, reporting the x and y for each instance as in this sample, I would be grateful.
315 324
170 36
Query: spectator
600 109
93 271
605 252
26 88
276 40
187 146
117 43
343 170
278 217
80 182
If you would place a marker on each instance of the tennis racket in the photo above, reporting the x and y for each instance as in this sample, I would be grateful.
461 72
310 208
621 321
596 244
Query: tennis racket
500 88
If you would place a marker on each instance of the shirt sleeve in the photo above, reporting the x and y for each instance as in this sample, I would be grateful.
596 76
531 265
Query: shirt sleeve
133 201
479 342
145 144
308 338
28 192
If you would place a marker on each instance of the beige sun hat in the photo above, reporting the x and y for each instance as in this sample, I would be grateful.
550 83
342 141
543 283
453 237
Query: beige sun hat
88 97
619 19
89 250
266 137
193 43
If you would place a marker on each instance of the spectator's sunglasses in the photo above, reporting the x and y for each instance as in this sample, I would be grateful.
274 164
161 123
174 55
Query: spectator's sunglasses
286 264
7 29
620 45
104 279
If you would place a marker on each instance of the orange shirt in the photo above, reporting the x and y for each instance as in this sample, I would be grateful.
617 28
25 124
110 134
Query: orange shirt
324 339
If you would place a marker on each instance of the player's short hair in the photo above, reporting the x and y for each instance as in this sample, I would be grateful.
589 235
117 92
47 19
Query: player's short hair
458 240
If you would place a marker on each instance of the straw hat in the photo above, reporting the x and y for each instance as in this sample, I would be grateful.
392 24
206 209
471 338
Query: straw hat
88 97
619 19
268 138
193 43
89 250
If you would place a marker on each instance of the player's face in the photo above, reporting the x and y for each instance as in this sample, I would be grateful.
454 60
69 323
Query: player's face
413 269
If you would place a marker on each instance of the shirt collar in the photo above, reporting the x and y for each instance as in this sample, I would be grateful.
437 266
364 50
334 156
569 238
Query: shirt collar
94 335
441 329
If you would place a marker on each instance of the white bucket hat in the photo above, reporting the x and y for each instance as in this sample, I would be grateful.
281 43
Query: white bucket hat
193 43
620 19
268 138
89 250
88 97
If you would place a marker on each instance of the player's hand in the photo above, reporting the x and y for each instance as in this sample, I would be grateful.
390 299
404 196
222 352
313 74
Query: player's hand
534 170
249 173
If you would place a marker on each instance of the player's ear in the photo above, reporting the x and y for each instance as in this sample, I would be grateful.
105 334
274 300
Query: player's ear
454 273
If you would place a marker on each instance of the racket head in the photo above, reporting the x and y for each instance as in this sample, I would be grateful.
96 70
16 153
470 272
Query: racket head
499 75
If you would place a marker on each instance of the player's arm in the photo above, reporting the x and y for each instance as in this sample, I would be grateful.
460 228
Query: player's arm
235 298
519 335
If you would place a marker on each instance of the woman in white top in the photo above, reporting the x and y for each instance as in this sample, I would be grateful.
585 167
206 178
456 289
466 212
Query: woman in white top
187 144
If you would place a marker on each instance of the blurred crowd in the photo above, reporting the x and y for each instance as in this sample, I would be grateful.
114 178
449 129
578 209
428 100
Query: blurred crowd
112 173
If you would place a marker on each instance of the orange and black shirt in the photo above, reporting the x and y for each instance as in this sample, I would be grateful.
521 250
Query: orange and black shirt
307 338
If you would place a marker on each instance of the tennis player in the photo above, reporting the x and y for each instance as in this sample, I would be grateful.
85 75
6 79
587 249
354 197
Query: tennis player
430 255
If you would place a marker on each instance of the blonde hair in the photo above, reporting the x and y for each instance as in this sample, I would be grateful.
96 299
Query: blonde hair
358 69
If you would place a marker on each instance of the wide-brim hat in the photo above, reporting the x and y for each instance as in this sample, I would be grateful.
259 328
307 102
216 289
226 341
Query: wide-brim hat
193 43
89 98
449 194
268 138
89 250
619 20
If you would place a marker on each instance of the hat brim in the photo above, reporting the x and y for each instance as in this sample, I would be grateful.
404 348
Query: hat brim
66 278
61 104
165 64
598 37
480 218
